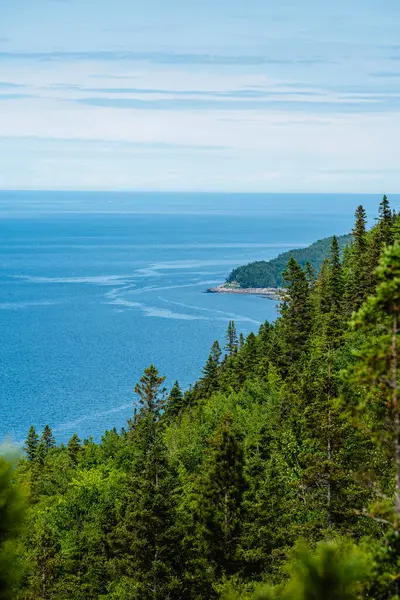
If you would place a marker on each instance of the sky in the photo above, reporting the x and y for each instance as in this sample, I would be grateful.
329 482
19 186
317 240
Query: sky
202 95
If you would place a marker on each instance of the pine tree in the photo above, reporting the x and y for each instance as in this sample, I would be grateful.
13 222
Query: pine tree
310 273
175 401
232 342
151 397
382 235
334 297
295 323
359 276
209 380
31 444
250 354
385 223
378 358
146 552
47 438
74 448
241 341
222 491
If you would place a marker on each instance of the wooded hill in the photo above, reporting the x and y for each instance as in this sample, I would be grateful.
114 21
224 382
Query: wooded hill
268 273
280 466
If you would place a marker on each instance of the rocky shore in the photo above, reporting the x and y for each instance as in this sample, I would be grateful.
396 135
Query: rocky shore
270 293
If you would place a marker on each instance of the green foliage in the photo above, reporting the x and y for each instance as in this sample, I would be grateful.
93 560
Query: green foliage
31 444
331 573
11 514
293 434
151 397
269 273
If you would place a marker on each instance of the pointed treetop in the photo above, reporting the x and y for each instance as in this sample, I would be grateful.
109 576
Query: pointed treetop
151 394
31 444
175 400
48 438
74 447
232 342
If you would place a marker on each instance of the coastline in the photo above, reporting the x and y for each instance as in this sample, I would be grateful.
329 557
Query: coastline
269 293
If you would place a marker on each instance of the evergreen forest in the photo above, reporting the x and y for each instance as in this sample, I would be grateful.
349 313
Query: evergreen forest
268 273
275 476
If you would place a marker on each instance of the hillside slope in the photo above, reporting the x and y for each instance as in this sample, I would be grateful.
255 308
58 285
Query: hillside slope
264 274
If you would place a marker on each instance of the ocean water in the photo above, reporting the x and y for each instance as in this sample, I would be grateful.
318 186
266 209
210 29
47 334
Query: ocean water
96 286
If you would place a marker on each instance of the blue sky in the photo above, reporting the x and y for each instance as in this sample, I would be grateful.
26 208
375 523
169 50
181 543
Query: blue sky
256 95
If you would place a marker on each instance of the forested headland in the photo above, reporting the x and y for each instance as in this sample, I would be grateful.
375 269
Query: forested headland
268 273
277 475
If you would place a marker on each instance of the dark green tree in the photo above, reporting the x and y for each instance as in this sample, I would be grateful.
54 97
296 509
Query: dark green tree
385 223
31 444
232 342
241 341
211 370
379 356
295 323
222 489
175 402
334 296
48 438
74 448
358 283
151 395
146 552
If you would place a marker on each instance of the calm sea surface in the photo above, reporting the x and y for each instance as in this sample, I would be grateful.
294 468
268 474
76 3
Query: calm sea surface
95 286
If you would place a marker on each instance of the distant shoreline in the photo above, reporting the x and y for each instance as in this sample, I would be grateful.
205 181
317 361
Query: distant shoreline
270 293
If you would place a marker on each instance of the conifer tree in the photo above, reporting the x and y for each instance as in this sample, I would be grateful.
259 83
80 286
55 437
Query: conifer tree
382 235
145 547
385 223
151 397
222 488
296 315
334 295
310 273
359 276
211 370
250 354
48 439
379 356
241 341
31 444
232 342
74 448
175 401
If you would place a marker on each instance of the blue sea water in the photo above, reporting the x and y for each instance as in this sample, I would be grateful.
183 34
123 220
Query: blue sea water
95 286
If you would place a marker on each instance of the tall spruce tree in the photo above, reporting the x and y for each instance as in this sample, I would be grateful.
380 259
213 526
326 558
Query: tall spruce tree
358 277
74 448
385 223
382 235
151 395
379 356
209 380
295 323
232 342
175 401
47 438
334 296
31 444
222 489
144 541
